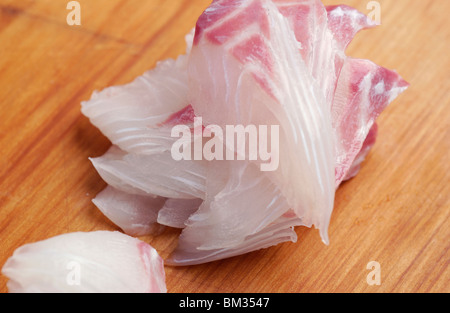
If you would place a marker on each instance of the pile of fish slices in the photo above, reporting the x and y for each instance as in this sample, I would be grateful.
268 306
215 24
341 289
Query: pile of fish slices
248 62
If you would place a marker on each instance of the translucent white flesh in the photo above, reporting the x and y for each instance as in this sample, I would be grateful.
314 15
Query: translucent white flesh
282 230
93 262
176 212
306 173
136 215
152 174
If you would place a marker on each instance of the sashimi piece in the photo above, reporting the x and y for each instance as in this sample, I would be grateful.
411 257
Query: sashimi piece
133 116
256 76
243 204
344 22
152 174
136 215
240 208
363 92
86 262
282 230
176 212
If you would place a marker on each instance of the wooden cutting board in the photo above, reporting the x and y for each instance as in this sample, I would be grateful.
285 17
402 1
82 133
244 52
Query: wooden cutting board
395 212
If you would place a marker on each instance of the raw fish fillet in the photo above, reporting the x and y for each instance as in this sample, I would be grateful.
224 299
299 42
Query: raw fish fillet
363 91
93 262
248 62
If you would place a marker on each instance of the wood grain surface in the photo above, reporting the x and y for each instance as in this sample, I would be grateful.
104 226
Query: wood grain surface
395 212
